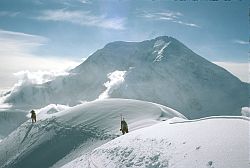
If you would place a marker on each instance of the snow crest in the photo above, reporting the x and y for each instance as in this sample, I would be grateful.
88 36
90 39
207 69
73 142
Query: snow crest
47 111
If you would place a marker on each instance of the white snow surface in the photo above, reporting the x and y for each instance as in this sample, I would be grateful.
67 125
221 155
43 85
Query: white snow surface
215 142
61 137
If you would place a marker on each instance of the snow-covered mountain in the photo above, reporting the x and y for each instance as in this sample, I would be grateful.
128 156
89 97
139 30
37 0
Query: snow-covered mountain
61 137
161 70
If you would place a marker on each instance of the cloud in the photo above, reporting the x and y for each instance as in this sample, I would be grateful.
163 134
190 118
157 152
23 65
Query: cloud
116 78
7 13
38 77
166 16
16 43
17 55
83 18
240 70
26 78
169 15
85 1
185 23
240 42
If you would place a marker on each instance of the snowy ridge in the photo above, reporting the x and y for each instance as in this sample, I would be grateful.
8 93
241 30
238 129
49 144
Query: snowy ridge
46 112
200 144
82 128
213 117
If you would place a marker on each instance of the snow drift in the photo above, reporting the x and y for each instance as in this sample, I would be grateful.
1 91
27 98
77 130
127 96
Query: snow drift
221 142
161 70
68 134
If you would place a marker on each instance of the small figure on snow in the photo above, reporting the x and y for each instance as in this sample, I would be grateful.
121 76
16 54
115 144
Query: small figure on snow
124 126
33 116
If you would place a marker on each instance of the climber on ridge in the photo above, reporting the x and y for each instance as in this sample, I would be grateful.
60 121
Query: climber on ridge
33 116
124 126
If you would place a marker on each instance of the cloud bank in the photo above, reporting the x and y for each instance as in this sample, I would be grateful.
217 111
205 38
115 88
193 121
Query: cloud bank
38 77
17 54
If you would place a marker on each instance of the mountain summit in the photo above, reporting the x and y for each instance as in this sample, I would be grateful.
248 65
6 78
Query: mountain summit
161 70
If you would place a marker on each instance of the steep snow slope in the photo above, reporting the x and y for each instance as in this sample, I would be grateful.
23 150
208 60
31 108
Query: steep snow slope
221 142
161 70
10 120
63 136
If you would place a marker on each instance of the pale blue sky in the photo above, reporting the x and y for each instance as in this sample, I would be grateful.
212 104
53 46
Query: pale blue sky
73 29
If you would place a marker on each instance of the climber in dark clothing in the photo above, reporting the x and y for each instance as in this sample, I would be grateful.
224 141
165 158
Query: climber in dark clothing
33 116
124 127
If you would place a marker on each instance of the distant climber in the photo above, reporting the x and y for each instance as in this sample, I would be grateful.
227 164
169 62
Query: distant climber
124 126
33 116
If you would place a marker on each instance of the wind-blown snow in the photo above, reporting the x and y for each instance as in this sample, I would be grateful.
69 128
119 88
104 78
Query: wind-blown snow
68 134
221 142
116 78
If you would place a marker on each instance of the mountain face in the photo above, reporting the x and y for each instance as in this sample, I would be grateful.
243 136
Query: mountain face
161 70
